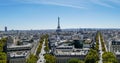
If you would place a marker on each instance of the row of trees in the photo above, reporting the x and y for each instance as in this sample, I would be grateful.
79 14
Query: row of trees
3 56
108 57
97 42
40 45
102 42
32 59
50 58
75 60
46 44
2 44
92 56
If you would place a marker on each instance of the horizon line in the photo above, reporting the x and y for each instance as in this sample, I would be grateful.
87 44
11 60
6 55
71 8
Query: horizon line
56 28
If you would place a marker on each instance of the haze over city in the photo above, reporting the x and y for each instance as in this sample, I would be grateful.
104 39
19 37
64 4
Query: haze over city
42 14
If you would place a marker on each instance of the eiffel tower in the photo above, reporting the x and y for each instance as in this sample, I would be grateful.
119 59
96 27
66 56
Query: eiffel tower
58 27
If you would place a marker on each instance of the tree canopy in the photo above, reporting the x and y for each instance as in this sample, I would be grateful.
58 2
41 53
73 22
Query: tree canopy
32 59
75 60
50 58
92 56
109 57
3 56
46 44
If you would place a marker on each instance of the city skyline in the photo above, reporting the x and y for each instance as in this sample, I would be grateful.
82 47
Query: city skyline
42 14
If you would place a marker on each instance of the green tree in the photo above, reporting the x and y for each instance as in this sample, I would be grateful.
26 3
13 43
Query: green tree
2 44
40 44
46 44
75 60
50 58
3 57
109 57
102 42
32 59
46 49
92 57
96 47
80 61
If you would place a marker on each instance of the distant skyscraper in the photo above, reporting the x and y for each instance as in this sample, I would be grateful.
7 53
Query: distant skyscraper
5 29
58 27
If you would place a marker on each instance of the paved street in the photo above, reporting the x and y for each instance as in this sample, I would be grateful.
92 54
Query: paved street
106 47
100 51
42 59
34 49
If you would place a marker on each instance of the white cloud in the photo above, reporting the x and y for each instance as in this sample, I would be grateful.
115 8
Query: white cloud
66 3
82 4
102 3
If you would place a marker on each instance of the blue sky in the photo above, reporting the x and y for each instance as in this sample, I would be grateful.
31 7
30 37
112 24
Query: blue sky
42 14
